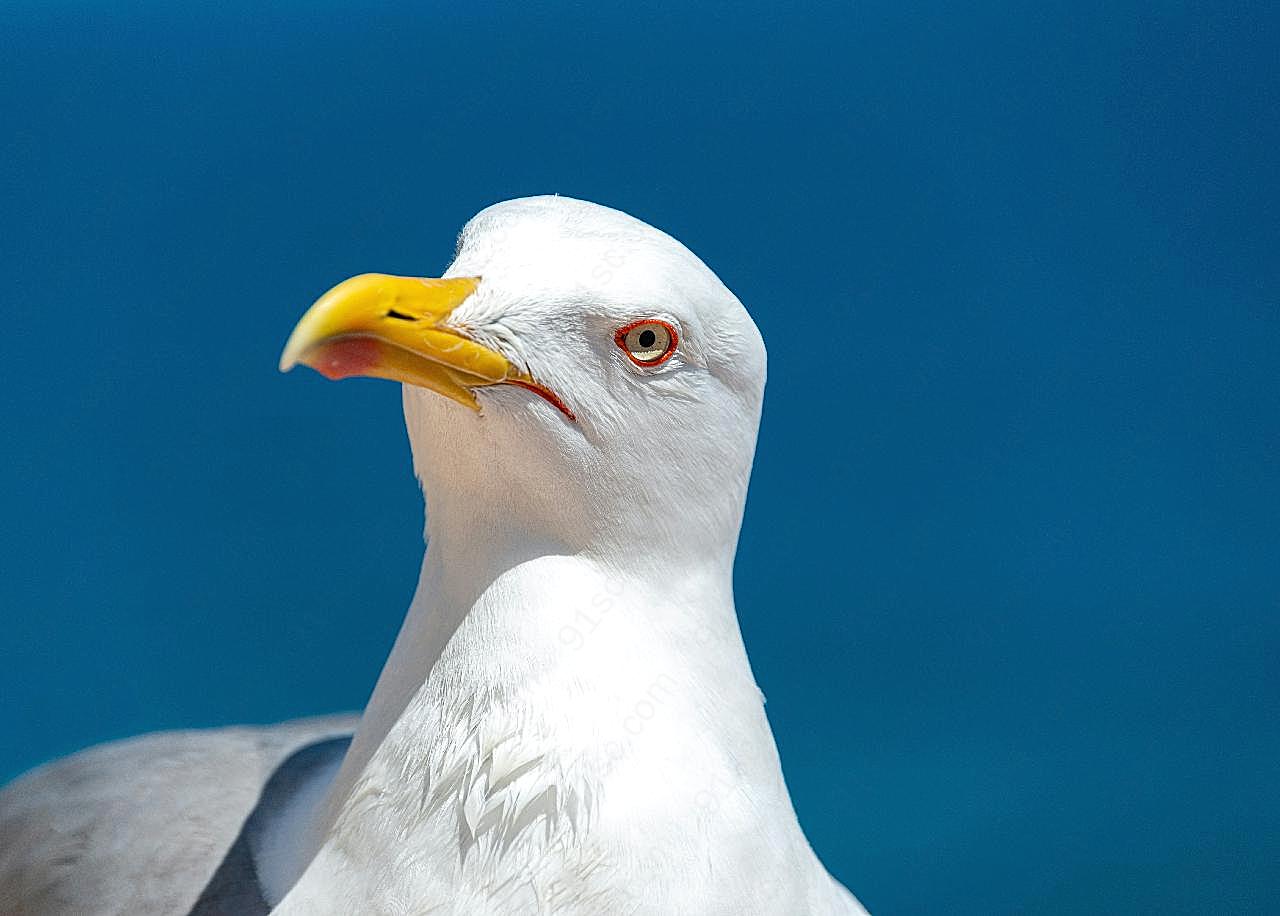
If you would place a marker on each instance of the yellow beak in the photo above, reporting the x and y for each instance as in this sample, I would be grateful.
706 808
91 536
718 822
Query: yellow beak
391 327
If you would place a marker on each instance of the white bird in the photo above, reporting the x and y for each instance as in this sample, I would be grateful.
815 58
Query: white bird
567 723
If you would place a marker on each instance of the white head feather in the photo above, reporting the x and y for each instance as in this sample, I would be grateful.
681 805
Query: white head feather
656 465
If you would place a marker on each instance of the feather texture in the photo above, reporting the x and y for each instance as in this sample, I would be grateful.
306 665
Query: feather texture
137 826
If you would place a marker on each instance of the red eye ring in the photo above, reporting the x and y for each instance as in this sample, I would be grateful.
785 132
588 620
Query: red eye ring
621 338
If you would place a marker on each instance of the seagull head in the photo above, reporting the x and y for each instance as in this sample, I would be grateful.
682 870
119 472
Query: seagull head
576 381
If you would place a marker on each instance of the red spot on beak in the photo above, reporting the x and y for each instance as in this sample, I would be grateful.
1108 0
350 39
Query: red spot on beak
344 357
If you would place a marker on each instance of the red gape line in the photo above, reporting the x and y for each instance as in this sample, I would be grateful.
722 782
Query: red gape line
546 394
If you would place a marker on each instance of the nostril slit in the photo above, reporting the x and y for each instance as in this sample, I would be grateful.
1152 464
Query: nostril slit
392 313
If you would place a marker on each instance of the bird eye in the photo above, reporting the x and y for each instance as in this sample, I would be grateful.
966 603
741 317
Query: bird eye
647 343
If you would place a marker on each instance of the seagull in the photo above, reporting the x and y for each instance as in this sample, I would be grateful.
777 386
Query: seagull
567 723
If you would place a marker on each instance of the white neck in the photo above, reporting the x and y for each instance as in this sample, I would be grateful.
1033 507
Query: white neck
598 674
445 595
457 577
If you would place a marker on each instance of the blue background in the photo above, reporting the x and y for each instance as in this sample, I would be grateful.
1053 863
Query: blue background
1011 569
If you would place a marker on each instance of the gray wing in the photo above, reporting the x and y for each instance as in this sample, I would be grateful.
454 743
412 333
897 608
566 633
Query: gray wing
298 785
138 826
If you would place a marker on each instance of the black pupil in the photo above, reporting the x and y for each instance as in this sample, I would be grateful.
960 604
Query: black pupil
647 338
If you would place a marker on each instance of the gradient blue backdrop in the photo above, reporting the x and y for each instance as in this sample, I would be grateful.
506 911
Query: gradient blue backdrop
1011 569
